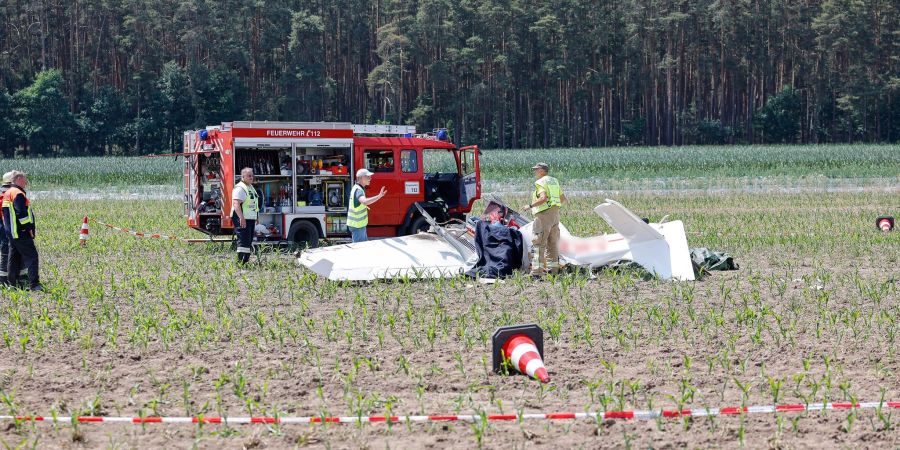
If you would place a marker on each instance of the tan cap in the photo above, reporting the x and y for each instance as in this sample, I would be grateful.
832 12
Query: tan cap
363 173
542 166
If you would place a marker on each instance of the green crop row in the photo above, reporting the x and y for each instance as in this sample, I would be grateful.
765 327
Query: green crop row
832 161
97 171
593 168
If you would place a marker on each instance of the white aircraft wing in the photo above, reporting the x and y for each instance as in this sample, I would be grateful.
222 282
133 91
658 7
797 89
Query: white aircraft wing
422 255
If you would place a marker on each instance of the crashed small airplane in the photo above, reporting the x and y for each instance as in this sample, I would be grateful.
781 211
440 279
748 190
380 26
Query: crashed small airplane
446 251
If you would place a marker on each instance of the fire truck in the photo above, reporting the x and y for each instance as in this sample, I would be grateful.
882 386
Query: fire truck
304 172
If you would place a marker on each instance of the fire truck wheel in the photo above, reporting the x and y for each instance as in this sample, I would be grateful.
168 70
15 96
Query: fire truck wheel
304 234
418 224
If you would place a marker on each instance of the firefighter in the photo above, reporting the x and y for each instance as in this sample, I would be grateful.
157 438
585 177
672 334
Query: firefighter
18 224
546 200
358 209
244 212
4 241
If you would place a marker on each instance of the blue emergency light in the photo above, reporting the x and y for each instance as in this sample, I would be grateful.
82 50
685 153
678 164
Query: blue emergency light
203 134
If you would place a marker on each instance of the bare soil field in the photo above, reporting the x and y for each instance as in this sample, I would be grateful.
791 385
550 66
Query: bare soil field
141 327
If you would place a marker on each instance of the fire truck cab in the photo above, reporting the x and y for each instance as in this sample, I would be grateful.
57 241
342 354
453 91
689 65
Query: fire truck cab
304 172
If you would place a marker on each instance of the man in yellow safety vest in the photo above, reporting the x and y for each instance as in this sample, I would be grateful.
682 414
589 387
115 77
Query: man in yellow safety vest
358 209
244 212
4 240
18 224
546 199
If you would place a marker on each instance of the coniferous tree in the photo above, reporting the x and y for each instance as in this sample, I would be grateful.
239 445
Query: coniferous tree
501 73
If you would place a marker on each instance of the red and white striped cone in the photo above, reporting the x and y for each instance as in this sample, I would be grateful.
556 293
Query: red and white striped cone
885 223
83 237
523 346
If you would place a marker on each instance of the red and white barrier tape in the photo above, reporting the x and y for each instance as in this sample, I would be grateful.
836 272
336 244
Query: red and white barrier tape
138 233
625 415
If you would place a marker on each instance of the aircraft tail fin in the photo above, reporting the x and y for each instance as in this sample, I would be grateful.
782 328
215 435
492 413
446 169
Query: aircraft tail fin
661 248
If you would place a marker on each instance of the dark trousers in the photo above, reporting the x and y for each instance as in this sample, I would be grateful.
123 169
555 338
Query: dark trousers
22 252
4 254
244 239
4 259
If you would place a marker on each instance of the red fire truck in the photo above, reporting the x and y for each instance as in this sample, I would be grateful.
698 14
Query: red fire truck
304 173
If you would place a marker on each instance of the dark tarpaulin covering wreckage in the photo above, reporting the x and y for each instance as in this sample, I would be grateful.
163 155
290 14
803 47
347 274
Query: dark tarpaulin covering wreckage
449 249
501 249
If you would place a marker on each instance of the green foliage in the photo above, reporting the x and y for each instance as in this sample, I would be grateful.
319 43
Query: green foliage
633 131
504 74
42 114
219 95
779 120
308 79
8 133
100 124
176 105
704 131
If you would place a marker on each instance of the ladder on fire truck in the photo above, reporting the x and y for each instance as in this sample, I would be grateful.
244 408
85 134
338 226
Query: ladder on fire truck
400 131
397 130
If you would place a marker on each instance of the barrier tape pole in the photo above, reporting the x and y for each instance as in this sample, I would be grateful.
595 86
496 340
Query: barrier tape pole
608 415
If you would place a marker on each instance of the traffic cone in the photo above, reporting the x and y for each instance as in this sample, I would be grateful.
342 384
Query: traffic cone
885 223
83 237
523 346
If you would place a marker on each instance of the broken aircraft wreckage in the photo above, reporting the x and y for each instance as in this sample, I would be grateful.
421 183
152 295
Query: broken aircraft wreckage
449 250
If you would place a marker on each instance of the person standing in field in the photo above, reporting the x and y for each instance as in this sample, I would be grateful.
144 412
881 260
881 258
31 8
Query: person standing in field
358 210
244 212
18 224
4 241
546 200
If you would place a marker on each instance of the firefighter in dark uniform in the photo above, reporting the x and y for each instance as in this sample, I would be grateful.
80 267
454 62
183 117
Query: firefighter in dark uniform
244 212
18 224
4 241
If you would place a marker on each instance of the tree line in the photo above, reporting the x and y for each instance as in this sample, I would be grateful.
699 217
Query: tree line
128 76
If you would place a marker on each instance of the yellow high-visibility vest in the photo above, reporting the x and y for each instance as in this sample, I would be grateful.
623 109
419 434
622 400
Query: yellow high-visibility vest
357 216
8 199
250 205
549 185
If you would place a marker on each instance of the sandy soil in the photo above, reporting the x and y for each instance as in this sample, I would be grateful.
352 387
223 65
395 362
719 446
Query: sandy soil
818 328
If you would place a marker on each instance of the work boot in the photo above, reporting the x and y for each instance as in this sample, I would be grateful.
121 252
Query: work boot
537 269
37 288
553 268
